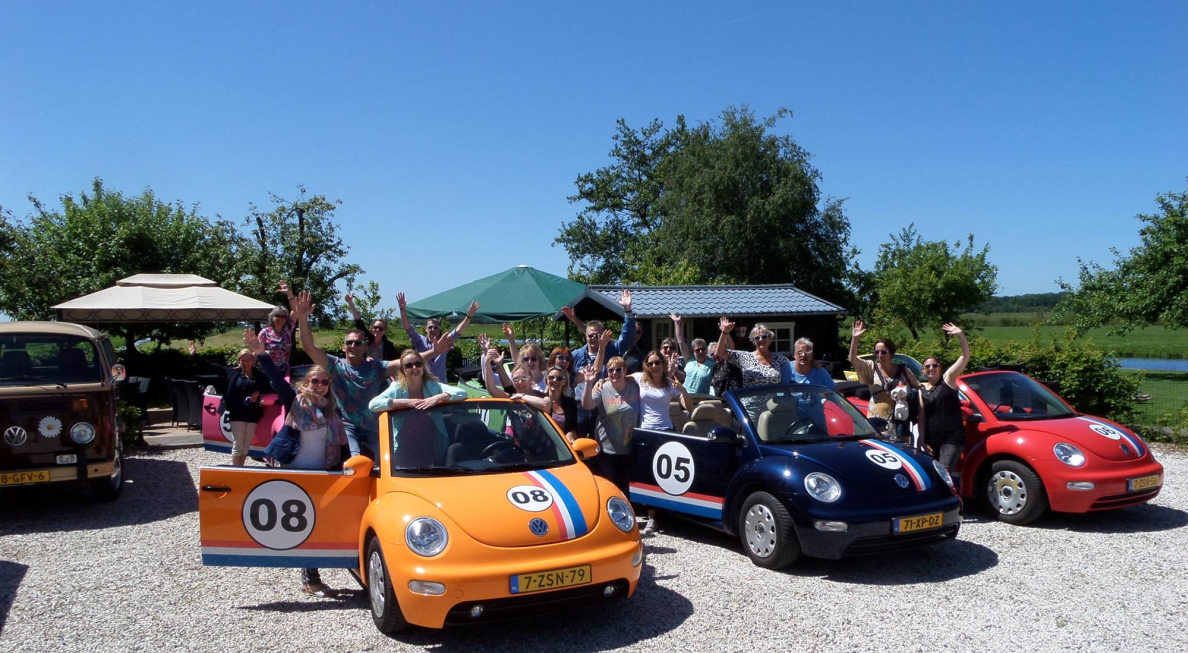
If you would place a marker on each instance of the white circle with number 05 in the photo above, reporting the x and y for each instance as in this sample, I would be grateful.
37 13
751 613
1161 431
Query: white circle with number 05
278 514
673 468
884 459
225 425
532 498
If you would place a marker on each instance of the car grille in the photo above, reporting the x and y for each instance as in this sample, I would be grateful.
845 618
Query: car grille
1123 500
882 543
531 605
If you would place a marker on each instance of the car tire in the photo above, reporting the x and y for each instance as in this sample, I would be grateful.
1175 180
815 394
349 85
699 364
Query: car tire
1014 493
765 528
384 609
108 488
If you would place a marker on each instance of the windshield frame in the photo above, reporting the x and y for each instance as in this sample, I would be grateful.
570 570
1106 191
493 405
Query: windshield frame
446 417
742 399
38 373
973 381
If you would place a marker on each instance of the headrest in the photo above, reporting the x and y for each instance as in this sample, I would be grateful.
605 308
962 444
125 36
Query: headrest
675 408
716 403
704 413
782 404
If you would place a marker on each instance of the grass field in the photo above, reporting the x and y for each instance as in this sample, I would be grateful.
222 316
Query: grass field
1168 390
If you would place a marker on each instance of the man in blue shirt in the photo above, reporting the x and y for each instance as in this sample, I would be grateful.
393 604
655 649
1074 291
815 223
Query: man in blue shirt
586 354
802 369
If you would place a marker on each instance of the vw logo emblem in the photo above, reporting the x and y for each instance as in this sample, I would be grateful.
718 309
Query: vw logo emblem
901 480
1125 449
539 527
15 436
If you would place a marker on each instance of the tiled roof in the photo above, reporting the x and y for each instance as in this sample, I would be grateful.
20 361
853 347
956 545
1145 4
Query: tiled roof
713 301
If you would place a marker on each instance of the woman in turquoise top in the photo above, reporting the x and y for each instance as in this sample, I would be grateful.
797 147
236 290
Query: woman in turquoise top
415 387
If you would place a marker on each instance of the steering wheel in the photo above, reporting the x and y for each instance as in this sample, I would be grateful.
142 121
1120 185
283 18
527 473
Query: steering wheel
493 448
1005 403
799 427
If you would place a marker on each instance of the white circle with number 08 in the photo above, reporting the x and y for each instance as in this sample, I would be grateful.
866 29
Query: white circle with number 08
1105 431
673 468
532 498
884 459
278 514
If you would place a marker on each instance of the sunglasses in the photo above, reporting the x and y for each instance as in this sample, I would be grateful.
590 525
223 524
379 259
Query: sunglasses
378 328
530 359
319 381
655 363
522 379
591 336
354 343
804 352
556 379
414 365
882 352
931 366
761 338
563 357
614 370
283 317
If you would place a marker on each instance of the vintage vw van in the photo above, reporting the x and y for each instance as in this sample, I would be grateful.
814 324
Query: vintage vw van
57 407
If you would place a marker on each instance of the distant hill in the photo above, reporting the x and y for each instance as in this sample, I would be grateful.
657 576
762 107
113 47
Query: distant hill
1031 303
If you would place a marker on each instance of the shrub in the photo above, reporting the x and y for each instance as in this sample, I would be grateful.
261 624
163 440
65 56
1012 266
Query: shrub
131 431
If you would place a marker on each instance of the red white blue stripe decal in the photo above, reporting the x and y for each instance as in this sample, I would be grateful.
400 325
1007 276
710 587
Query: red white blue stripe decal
565 508
343 555
915 470
702 505
1134 442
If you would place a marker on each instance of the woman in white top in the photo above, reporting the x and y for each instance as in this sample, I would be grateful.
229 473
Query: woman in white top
656 389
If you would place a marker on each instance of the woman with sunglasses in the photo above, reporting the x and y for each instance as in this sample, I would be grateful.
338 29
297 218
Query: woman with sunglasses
241 401
415 387
378 345
278 335
530 356
618 399
521 388
563 358
656 389
943 430
760 367
882 374
564 409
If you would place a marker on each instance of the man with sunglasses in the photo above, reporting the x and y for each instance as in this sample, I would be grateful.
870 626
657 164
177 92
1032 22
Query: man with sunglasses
355 378
803 370
586 354
424 343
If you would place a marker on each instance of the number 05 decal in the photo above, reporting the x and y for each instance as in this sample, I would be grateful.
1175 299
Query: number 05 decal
278 514
673 468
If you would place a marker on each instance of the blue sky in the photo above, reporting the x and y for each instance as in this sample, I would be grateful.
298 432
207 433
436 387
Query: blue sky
453 132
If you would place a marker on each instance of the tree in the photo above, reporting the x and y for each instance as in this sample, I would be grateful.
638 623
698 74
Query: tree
716 203
367 300
96 239
920 283
297 241
1147 286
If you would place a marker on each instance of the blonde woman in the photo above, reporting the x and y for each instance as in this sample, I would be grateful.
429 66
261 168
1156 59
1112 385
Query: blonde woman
241 400
415 387
656 390
564 409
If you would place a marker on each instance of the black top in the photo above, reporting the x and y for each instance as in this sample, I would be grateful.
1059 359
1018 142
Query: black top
942 408
239 389
568 407
390 353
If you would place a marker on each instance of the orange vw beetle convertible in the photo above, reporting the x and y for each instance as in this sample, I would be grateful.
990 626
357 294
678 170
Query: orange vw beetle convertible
478 511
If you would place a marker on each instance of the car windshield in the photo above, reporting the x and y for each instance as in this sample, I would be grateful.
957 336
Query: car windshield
46 358
785 414
474 437
1016 397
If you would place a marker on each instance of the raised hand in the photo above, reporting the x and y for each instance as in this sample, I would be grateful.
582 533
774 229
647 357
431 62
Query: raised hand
676 319
606 336
283 287
302 305
193 348
625 300
674 364
509 332
495 356
725 325
590 374
952 329
474 306
484 342
350 299
252 341
567 311
858 329
401 300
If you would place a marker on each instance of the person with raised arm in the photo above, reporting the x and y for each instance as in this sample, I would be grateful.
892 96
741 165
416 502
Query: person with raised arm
531 356
586 354
882 374
618 401
241 400
378 345
414 387
942 428
278 335
424 343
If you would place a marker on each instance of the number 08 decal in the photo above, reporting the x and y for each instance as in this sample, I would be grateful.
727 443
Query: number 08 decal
673 468
278 514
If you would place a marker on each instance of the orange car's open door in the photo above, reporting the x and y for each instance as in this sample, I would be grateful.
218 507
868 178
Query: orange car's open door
270 517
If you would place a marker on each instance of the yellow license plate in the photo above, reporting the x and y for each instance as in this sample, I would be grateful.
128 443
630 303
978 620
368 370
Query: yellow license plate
921 523
551 580
1143 483
23 478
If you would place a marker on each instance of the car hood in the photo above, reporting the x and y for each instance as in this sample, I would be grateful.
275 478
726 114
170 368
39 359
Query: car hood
870 465
499 509
1103 438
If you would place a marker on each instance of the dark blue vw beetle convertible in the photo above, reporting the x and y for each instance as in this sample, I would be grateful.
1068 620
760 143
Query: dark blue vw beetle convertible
794 469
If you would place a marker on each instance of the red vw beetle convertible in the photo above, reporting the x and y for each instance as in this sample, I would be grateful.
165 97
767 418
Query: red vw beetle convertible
1027 451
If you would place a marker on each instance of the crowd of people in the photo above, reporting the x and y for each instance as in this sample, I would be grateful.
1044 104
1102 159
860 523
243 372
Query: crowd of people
601 390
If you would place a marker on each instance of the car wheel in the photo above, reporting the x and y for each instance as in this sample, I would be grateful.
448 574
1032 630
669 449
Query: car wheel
108 488
766 532
384 609
1015 493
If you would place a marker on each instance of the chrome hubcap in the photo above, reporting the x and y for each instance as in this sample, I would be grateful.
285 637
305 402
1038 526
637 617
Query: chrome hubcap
375 582
760 530
1007 492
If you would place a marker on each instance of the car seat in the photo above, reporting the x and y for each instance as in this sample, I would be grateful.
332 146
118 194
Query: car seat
780 414
470 438
721 412
703 420
677 414
16 363
72 361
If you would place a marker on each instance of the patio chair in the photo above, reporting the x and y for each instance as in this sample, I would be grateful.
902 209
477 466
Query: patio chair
193 394
177 400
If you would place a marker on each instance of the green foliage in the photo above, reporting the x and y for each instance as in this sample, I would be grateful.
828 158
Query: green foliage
1147 286
367 300
131 430
919 283
1027 303
716 203
94 240
297 241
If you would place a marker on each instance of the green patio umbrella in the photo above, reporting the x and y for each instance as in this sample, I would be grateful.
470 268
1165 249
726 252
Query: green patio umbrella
517 294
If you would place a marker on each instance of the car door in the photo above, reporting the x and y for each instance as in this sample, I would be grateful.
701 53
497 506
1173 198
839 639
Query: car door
271 517
684 473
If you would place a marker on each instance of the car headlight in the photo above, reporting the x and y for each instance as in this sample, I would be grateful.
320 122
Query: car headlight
426 536
944 473
82 433
1068 454
822 487
621 514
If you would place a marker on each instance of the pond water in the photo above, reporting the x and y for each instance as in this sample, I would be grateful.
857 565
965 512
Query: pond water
1166 364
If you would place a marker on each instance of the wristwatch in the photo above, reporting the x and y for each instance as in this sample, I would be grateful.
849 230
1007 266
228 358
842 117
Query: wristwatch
629 314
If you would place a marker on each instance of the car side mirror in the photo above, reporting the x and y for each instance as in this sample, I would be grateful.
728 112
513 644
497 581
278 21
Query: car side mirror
118 373
881 425
357 466
723 435
971 417
585 448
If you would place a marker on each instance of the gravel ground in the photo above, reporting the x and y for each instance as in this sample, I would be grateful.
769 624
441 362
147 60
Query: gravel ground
78 576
